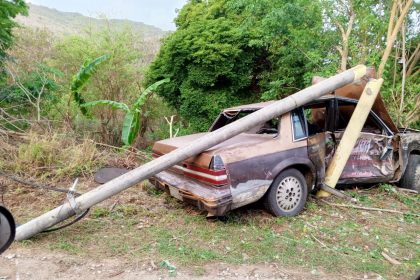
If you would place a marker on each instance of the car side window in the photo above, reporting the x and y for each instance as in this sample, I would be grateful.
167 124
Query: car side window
345 111
299 130
316 117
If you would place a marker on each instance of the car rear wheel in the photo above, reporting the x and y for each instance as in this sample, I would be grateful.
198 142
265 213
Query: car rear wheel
411 177
287 194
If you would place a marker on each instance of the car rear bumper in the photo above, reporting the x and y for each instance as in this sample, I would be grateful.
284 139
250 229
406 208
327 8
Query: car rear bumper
216 200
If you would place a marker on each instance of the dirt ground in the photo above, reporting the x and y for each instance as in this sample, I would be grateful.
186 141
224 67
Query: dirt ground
18 263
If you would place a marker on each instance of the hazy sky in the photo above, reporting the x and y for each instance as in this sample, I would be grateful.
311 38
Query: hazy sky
159 13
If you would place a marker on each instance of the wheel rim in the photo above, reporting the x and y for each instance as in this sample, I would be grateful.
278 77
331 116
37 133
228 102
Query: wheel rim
289 193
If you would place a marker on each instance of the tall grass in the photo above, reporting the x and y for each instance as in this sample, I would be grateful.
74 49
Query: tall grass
52 156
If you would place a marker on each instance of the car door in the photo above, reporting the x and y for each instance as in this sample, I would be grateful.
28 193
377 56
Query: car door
319 118
372 158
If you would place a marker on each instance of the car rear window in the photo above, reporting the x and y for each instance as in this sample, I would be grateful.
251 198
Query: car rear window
225 118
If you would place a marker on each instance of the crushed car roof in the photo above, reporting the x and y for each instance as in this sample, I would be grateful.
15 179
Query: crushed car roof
352 91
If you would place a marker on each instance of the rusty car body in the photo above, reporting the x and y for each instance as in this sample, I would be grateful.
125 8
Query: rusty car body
282 160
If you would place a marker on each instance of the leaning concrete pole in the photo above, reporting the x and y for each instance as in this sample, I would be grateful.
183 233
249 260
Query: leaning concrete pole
155 166
351 134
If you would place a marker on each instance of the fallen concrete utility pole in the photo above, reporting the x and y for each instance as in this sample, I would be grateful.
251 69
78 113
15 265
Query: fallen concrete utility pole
155 166
350 136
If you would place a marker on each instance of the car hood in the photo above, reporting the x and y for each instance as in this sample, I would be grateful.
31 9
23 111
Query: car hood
224 149
355 90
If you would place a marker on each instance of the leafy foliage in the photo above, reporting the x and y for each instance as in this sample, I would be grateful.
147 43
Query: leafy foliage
132 120
31 94
366 44
42 77
225 53
80 79
9 9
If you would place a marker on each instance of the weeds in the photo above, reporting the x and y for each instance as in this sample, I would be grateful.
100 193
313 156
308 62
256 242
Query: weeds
53 156
99 212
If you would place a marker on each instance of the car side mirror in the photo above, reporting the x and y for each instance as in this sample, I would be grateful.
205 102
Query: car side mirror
7 229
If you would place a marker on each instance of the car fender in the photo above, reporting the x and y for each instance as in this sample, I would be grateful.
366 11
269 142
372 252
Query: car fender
409 144
291 162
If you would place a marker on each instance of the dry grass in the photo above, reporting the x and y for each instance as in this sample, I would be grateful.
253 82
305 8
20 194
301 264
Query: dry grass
53 160
57 156
52 156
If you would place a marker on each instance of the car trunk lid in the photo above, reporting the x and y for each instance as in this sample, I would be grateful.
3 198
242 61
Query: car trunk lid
209 166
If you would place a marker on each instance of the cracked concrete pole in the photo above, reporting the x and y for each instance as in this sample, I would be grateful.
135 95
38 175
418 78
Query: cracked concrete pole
351 134
155 166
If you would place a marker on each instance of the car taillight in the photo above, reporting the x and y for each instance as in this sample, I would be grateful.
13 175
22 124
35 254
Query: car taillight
215 174
217 163
214 177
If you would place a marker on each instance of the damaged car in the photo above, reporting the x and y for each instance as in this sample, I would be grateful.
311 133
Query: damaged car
281 161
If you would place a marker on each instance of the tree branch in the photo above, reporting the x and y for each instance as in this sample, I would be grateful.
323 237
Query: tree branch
391 18
412 61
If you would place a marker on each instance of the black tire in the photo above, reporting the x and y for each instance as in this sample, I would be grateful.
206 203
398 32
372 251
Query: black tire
287 194
411 177
7 229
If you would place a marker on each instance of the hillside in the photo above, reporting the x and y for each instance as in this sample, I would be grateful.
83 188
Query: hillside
71 23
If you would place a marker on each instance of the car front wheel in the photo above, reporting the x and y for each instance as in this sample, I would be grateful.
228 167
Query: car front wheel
287 194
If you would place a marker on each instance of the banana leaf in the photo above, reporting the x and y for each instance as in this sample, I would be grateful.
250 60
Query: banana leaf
131 126
80 79
142 98
113 104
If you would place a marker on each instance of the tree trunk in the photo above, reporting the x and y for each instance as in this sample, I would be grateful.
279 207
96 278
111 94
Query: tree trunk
403 75
346 37
392 33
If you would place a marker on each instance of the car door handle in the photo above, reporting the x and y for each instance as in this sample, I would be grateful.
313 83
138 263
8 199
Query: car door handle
386 152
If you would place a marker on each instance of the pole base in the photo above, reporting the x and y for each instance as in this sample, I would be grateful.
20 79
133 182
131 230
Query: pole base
322 194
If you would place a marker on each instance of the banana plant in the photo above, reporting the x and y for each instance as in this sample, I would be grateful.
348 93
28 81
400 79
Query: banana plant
79 80
131 123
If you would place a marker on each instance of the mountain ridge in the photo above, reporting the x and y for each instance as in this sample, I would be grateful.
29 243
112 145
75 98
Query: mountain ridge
73 23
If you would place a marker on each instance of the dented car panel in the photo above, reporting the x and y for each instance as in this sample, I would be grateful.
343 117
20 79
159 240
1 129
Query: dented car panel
240 170
250 178
206 197
321 148
372 159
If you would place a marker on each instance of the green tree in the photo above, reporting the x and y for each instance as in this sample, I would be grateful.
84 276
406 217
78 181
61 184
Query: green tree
359 31
9 9
30 89
225 53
